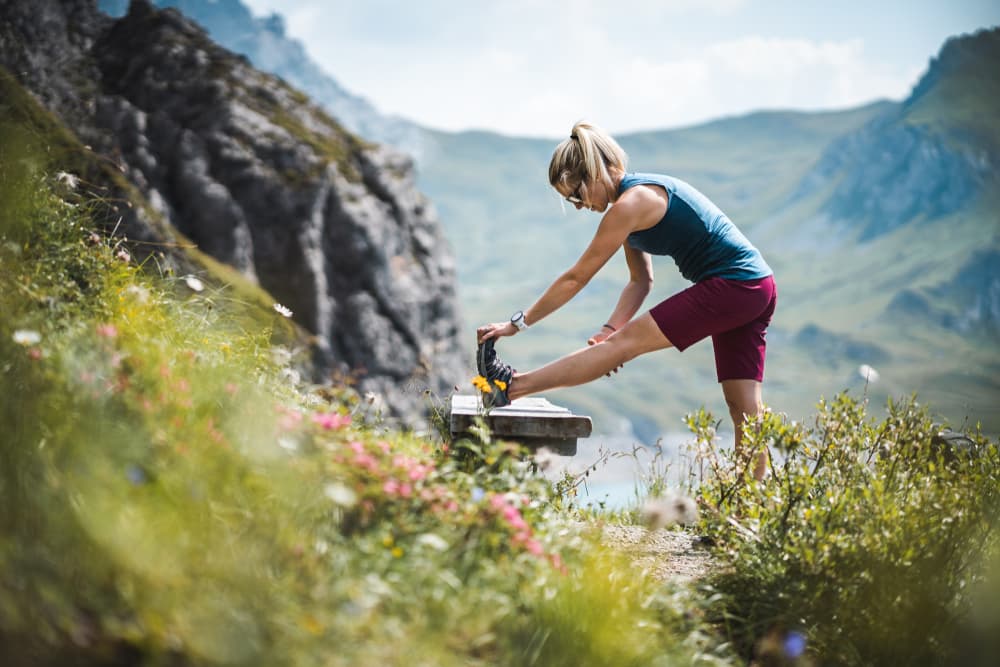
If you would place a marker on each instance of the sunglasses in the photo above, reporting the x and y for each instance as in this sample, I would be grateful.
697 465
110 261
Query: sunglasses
575 197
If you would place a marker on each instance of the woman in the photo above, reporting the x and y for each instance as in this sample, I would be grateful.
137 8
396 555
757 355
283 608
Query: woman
732 299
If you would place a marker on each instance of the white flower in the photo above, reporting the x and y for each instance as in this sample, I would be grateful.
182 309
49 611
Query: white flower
669 510
433 541
867 373
67 179
288 444
545 459
27 337
340 494
281 310
138 292
194 283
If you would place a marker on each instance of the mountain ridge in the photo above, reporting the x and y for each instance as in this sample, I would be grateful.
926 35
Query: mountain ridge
851 207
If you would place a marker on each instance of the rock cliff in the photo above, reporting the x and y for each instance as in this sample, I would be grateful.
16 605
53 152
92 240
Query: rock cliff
258 177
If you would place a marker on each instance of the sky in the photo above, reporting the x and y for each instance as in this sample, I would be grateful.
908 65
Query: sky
534 67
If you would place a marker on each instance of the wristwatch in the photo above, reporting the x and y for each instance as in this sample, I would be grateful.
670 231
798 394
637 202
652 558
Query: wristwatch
517 319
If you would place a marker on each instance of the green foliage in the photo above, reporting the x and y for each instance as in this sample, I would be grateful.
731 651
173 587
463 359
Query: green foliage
869 538
174 494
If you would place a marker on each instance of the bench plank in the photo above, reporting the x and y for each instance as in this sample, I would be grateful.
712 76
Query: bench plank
531 420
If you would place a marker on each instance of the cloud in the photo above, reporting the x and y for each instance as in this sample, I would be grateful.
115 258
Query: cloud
532 68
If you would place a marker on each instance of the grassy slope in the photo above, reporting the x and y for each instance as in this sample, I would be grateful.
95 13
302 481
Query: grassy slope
177 497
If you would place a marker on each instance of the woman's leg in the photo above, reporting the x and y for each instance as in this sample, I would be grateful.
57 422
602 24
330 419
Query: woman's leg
639 336
744 400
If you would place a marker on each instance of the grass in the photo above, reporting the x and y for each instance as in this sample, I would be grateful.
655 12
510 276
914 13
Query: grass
179 496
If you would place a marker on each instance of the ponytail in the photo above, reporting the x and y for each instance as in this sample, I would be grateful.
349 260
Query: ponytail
586 155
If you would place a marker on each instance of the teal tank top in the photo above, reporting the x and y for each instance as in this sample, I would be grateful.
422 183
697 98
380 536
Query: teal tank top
697 234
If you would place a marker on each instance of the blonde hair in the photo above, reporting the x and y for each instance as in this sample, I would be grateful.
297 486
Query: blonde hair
588 154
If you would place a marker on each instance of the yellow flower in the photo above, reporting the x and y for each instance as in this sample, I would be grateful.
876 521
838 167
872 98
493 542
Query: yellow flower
482 384
397 552
501 385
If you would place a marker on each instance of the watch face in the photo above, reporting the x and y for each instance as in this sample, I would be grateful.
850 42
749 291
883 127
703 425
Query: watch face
517 317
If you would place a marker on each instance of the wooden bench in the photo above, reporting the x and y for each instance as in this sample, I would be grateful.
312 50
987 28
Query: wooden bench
532 421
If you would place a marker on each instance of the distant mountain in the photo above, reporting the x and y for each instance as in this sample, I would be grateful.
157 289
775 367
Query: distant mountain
265 43
881 223
853 209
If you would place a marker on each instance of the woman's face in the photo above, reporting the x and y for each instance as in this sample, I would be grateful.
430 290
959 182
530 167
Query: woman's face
591 195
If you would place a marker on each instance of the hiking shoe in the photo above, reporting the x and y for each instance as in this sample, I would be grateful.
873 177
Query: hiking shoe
497 374
484 354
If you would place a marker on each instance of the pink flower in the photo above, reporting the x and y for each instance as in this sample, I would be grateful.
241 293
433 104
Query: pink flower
290 419
514 518
533 547
331 421
366 461
391 487
107 330
356 446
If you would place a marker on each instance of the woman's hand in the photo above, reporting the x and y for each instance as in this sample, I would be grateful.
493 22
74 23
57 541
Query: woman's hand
495 330
600 337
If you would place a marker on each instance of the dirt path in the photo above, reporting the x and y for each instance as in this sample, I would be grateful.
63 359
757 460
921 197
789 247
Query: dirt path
666 554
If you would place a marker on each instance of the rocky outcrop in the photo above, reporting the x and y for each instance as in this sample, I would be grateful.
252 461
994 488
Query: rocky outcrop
933 155
265 42
260 178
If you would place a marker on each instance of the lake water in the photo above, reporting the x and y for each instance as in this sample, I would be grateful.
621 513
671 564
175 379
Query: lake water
620 464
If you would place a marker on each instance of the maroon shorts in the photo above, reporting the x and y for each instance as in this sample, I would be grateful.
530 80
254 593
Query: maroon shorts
735 313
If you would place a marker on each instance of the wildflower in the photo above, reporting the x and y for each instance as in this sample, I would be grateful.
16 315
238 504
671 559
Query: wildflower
667 511
433 541
867 373
135 474
477 494
290 419
281 310
794 645
194 283
35 353
123 255
67 179
340 494
366 461
482 384
501 385
331 421
107 331
138 292
397 552
544 459
27 337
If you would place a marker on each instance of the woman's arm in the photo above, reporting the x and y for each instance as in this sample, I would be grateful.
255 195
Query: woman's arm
640 269
638 208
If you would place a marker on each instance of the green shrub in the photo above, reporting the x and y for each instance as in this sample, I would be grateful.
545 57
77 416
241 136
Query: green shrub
174 494
867 540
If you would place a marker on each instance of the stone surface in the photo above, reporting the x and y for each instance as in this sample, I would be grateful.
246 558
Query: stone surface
260 178
533 421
